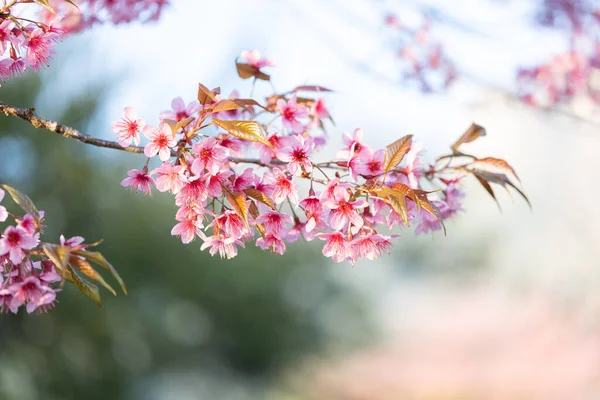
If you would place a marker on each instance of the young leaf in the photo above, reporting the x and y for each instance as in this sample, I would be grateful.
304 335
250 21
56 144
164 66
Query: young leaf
176 125
489 189
253 210
499 179
85 287
86 268
430 207
310 88
398 204
395 152
98 258
238 202
205 95
246 130
260 196
473 132
45 4
246 71
59 255
25 203
496 163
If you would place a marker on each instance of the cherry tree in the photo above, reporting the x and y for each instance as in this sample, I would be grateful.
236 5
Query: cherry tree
242 170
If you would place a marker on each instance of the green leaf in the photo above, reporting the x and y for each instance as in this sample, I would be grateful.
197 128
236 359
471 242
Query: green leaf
98 258
86 268
85 287
25 203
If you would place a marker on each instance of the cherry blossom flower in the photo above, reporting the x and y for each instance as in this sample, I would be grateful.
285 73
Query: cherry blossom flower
272 242
27 223
187 229
353 145
313 208
32 292
254 58
11 67
39 48
231 224
6 35
210 155
368 164
368 246
226 246
128 128
343 210
162 140
319 109
335 246
13 241
180 111
296 154
290 112
139 180
170 177
283 187
266 153
273 221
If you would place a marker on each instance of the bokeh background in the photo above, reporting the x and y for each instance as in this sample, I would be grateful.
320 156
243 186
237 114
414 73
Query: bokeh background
507 306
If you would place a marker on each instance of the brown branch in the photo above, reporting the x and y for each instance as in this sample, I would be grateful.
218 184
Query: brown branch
28 115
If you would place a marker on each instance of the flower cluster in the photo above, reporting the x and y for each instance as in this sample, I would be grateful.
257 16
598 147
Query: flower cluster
227 200
422 59
27 44
30 269
574 72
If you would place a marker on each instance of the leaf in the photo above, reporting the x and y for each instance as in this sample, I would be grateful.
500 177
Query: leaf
398 204
310 88
59 255
234 104
25 203
238 202
85 287
260 196
473 132
246 71
45 4
430 207
73 4
97 258
496 163
489 189
205 95
246 130
86 268
499 179
395 152
176 125
253 210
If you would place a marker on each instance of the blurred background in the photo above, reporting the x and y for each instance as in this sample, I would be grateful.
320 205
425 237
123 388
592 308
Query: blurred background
507 306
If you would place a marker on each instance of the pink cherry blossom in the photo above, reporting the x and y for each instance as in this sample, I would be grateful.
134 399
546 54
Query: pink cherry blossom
290 112
368 164
335 246
283 187
244 180
254 58
27 223
226 246
272 242
369 246
162 140
6 35
11 67
193 192
170 177
353 145
313 208
39 48
343 210
231 224
274 221
14 240
320 109
32 292
296 154
139 180
187 229
210 155
128 128
180 111
267 153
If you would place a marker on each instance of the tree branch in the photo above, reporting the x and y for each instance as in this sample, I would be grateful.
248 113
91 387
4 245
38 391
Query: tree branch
28 114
